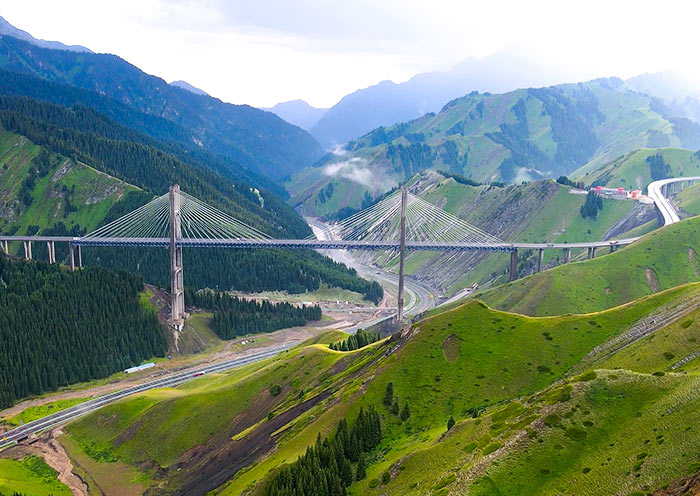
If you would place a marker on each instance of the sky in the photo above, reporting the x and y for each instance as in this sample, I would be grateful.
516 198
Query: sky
261 52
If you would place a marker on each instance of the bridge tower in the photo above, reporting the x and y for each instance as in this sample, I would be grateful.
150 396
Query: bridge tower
402 253
177 294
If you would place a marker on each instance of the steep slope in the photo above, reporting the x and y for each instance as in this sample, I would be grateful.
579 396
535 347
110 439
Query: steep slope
662 259
39 190
258 140
388 103
299 113
232 426
637 169
538 212
187 86
522 135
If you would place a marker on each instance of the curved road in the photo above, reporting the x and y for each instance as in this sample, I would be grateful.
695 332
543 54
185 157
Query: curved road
655 191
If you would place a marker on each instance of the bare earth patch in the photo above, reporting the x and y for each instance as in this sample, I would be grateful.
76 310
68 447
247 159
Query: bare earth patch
48 448
652 280
451 348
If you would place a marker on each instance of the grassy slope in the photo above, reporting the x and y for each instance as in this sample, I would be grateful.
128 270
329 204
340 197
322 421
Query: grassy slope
94 193
609 280
631 171
627 125
549 214
689 199
455 362
30 476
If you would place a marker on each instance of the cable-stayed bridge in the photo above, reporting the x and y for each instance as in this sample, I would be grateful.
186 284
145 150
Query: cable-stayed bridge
399 223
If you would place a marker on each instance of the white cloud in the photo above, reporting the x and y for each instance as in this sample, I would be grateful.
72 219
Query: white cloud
265 51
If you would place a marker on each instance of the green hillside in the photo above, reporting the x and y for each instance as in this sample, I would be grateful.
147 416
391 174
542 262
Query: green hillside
230 426
66 191
636 170
522 135
538 211
661 260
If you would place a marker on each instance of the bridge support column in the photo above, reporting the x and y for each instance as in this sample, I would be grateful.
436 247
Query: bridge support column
612 248
51 249
177 294
513 271
567 255
402 252
80 257
27 250
540 256
589 255
5 247
71 256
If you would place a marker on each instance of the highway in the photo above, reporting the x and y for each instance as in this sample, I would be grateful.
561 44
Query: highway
655 193
170 380
422 297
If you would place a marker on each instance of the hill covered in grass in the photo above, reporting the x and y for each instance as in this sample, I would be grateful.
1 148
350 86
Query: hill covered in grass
661 260
538 212
637 169
521 135
228 431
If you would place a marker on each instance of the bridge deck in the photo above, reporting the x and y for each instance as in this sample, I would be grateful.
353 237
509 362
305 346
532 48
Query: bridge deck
313 243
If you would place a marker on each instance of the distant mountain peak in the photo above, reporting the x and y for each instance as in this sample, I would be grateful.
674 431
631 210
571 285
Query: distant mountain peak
7 29
187 86
298 112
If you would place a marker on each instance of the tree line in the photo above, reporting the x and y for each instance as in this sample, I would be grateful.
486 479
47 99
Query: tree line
356 341
58 327
331 465
590 208
234 316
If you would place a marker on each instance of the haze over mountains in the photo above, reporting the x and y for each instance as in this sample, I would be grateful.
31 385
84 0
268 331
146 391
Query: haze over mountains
8 29
299 113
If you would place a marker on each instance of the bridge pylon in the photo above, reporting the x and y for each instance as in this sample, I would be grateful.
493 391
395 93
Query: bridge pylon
402 253
177 290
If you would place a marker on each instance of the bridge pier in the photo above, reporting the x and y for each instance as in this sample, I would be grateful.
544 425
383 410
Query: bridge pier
80 257
177 292
51 249
513 270
540 256
5 247
567 255
27 250
71 257
402 252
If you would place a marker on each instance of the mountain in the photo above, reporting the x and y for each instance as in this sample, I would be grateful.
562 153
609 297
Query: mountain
251 138
662 259
299 113
529 411
538 212
388 103
675 94
569 129
187 86
8 29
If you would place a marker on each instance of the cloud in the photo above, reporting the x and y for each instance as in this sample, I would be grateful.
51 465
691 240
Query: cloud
354 169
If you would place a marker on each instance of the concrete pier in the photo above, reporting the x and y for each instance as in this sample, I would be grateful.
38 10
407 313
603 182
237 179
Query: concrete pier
540 256
71 256
513 270
402 253
27 250
567 255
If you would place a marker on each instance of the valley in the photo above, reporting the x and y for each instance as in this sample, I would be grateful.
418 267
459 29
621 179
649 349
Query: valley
288 250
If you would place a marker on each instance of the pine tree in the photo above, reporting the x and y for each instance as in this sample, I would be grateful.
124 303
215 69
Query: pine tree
395 407
450 423
389 394
361 472
405 412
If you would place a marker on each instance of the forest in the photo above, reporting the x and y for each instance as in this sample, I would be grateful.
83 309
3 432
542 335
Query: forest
356 341
326 469
59 327
234 317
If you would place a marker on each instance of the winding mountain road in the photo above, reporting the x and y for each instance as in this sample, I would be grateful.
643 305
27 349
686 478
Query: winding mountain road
655 191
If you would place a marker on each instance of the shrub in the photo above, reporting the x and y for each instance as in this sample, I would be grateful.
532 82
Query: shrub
275 389
386 477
